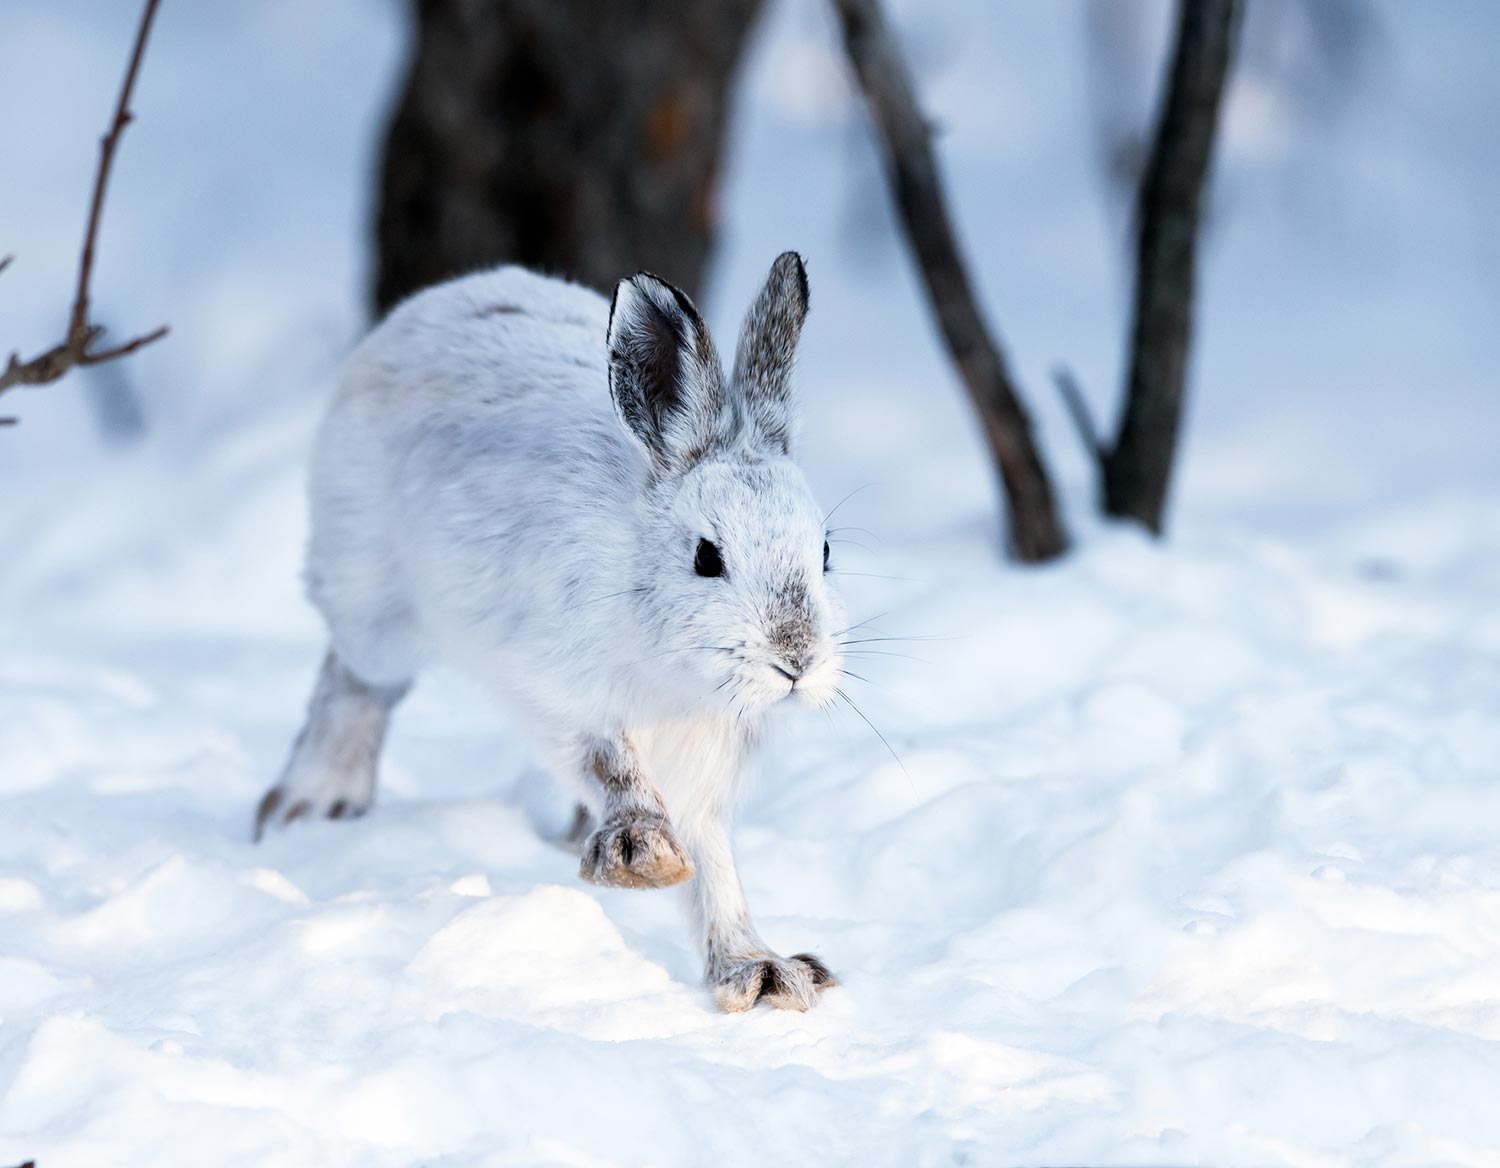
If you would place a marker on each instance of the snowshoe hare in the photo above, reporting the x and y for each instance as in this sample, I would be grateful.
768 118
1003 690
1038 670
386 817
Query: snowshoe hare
565 498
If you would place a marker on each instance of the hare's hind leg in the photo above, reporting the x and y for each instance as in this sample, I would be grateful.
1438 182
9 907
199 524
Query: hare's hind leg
332 768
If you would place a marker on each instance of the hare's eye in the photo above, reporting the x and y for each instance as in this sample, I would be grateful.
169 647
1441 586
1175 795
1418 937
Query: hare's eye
825 555
707 561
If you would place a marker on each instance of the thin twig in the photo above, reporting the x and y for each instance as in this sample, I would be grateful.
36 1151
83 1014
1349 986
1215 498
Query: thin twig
77 349
1078 410
123 350
107 149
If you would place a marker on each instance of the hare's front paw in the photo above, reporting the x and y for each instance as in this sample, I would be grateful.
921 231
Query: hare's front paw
787 983
635 849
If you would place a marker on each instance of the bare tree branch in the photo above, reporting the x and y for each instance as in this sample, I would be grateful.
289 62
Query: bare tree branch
1078 410
1138 466
77 349
1036 532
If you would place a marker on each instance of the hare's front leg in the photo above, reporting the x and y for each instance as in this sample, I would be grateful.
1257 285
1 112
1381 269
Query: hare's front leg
634 846
740 969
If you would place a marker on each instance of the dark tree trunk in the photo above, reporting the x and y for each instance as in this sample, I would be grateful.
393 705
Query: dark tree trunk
580 137
1036 532
1137 468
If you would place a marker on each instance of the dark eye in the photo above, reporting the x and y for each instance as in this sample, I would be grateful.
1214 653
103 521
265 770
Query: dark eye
825 555
707 561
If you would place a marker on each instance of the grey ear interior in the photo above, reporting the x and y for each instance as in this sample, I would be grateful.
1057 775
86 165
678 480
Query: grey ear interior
767 351
664 373
647 352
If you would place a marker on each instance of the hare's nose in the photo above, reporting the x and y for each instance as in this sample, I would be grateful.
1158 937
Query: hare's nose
794 678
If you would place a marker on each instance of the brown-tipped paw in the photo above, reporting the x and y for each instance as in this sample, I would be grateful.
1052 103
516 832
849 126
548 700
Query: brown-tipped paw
635 850
786 983
279 807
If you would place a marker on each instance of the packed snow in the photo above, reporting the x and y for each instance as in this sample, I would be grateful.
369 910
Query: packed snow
1178 853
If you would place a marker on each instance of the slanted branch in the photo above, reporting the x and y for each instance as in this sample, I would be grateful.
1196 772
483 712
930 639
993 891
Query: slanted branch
1036 532
79 346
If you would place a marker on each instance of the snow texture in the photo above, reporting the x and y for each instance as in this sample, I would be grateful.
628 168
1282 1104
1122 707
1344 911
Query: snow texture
1191 853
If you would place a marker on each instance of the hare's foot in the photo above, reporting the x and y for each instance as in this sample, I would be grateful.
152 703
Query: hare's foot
635 849
786 983
331 773
328 796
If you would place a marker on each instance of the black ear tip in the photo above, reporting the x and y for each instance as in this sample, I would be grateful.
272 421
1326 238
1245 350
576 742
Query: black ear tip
626 291
643 283
798 266
639 284
646 280
652 295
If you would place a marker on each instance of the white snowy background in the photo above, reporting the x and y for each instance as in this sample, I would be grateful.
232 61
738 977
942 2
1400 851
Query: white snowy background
1195 854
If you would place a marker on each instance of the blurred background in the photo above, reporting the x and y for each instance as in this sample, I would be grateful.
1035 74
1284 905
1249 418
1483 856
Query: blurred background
1144 789
1349 259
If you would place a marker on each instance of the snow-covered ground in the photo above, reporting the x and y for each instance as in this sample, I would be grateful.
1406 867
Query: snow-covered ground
1193 852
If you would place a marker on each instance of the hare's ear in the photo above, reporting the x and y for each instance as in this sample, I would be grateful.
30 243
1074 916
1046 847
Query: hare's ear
767 349
664 373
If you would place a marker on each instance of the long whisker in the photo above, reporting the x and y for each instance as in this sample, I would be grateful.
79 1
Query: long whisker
732 696
880 640
739 710
686 649
870 575
844 500
861 624
710 693
848 701
832 531
884 653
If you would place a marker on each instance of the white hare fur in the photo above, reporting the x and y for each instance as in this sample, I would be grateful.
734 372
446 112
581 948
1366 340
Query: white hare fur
517 478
